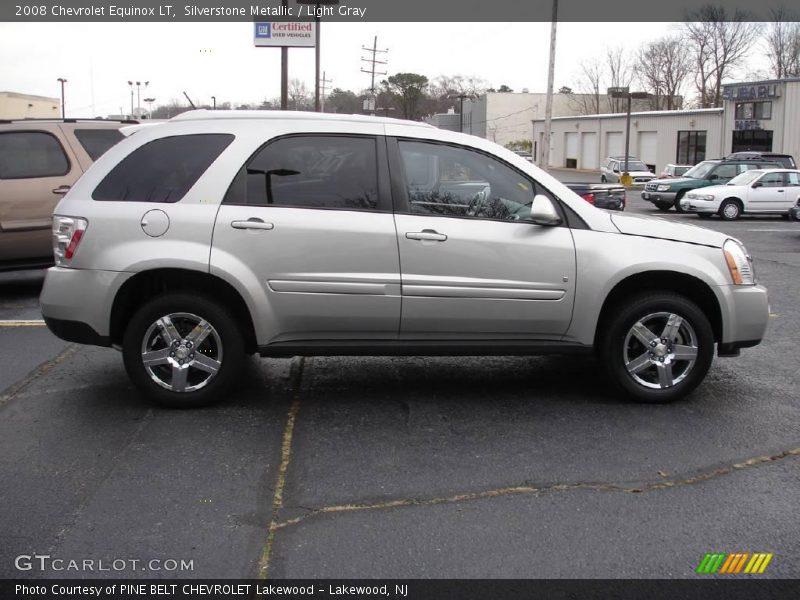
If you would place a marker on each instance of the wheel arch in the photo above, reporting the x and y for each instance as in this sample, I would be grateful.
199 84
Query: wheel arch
689 286
147 284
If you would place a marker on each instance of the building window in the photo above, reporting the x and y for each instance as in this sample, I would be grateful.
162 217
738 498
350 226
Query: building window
753 110
691 147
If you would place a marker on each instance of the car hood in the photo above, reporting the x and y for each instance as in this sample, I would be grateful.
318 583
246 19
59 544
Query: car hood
711 189
668 230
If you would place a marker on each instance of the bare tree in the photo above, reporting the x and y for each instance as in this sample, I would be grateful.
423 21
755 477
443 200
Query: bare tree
719 43
783 44
620 74
590 78
663 66
299 95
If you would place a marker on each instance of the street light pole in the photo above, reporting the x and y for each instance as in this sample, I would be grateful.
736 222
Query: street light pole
130 83
625 92
62 81
213 103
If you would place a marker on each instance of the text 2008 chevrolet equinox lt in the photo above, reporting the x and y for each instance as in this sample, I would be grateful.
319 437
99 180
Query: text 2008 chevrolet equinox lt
220 234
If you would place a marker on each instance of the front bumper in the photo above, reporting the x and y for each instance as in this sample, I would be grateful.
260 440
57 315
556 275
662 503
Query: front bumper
745 315
659 197
699 206
76 304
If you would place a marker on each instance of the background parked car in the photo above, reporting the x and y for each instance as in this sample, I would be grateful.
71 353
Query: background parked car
614 168
39 162
784 160
666 193
771 191
603 195
671 170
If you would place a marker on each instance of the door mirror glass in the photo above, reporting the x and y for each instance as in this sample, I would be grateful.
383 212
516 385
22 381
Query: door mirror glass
757 184
543 211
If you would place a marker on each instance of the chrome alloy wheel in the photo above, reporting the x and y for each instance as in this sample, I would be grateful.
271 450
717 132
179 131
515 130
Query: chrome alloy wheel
660 350
182 352
730 210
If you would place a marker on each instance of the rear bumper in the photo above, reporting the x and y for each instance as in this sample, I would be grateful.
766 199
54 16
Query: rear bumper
76 304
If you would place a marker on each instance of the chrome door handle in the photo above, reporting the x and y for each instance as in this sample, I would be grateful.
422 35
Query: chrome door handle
252 223
62 189
426 234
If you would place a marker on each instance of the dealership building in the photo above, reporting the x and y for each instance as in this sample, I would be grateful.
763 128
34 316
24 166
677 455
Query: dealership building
759 115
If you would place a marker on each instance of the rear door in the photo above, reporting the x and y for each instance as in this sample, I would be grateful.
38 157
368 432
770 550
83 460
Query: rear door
308 223
36 165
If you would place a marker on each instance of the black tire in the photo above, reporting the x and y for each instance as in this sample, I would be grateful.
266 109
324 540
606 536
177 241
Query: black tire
602 179
223 341
704 215
727 212
663 206
678 208
653 309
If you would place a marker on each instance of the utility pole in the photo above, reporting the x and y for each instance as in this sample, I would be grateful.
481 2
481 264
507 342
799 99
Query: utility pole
373 61
548 107
284 68
130 83
62 81
322 83
461 98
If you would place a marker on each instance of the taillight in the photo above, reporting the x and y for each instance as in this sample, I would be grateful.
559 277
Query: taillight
588 197
67 235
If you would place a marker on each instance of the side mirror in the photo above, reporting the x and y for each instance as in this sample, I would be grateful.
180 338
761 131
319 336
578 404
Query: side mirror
543 212
757 184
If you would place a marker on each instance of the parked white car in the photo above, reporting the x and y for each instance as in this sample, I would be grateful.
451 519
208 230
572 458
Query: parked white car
763 191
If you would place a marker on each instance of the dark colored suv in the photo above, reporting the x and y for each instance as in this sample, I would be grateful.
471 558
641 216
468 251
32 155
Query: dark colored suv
786 161
666 193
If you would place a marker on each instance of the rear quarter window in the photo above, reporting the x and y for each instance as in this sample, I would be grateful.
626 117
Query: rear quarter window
30 154
97 141
163 170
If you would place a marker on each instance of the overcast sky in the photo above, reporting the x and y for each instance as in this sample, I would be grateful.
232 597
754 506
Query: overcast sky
219 59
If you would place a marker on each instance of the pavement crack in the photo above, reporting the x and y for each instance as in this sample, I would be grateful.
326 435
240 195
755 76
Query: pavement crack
295 378
540 490
14 390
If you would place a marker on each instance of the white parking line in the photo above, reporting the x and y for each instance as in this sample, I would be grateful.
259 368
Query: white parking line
774 230
22 323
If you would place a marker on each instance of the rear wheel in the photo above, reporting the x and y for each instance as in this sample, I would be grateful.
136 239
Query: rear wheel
183 351
658 347
730 210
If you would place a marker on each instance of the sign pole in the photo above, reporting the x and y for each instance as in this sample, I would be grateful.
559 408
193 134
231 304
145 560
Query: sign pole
284 70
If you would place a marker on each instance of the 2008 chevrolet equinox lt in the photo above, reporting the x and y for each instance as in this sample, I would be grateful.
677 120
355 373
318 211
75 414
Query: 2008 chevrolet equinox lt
218 234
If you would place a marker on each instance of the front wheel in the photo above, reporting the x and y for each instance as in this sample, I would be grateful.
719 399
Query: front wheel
657 347
603 179
678 199
663 206
183 351
730 210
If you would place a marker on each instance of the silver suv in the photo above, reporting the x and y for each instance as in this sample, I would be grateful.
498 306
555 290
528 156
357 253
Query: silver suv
219 234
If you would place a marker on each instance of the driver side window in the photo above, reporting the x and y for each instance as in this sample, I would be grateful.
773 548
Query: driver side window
457 182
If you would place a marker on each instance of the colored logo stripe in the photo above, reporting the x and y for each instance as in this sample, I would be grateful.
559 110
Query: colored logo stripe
734 563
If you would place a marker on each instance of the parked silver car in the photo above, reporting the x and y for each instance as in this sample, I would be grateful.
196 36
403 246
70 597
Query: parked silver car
614 168
220 234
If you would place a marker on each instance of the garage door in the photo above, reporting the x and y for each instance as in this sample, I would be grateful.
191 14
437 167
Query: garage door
571 150
589 151
615 143
648 148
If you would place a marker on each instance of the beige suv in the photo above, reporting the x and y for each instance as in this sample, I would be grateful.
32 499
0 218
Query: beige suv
39 162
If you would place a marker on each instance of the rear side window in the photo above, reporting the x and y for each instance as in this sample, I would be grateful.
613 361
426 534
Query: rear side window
28 154
162 170
97 141
310 171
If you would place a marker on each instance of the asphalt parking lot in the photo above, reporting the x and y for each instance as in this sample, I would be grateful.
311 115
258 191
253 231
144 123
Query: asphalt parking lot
403 467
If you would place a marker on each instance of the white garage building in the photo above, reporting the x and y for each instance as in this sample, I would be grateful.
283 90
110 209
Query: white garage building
658 138
759 115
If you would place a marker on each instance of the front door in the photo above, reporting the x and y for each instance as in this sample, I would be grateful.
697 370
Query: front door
472 267
308 226
769 195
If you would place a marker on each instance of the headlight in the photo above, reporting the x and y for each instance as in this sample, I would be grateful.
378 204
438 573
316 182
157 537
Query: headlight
664 187
701 196
739 262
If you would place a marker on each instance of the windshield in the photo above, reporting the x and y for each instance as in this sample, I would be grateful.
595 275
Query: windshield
700 171
633 165
746 177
